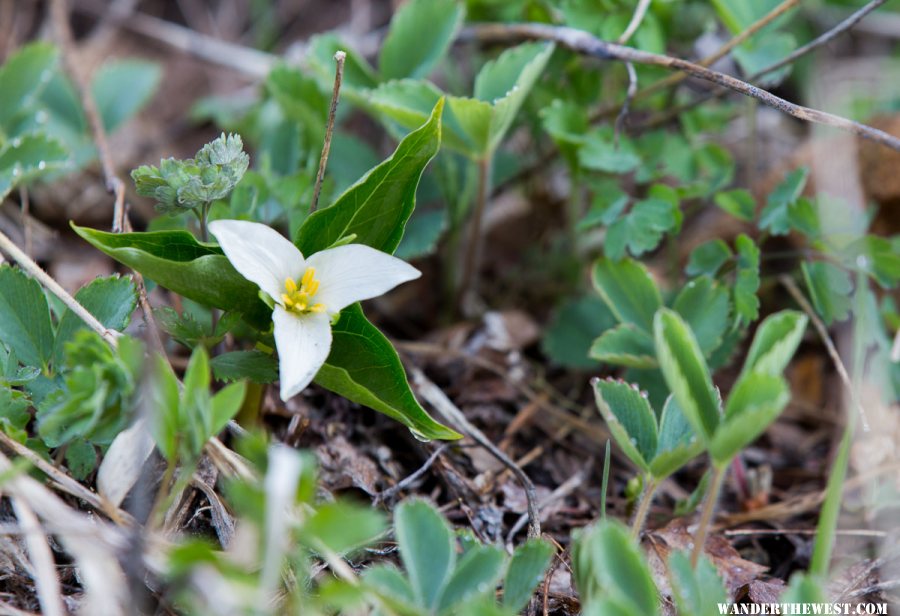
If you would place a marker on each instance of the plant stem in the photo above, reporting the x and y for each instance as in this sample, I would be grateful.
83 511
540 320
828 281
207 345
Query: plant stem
640 516
469 283
162 495
204 217
339 58
709 507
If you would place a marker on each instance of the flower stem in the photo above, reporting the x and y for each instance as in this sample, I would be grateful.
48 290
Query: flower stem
709 507
640 516
469 284
204 215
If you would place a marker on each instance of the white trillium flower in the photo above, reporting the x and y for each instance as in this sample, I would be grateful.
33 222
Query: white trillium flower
308 292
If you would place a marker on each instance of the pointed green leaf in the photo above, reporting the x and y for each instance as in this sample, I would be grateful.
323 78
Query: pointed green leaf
377 207
697 590
677 443
526 570
342 526
775 342
421 32
165 407
471 120
111 300
609 563
685 371
477 573
625 345
22 78
830 289
630 419
830 512
254 366
178 262
704 305
393 588
754 403
507 81
225 405
426 549
364 367
628 290
25 325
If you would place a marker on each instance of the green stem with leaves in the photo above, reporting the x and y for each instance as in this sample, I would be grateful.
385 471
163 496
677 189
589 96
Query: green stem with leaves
709 508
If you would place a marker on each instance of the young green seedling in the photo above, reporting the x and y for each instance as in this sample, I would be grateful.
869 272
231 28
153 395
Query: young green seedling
755 401
657 448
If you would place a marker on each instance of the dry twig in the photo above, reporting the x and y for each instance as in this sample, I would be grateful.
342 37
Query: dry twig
434 395
339 58
587 44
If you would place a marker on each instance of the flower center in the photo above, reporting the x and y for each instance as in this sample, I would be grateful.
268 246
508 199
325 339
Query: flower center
298 298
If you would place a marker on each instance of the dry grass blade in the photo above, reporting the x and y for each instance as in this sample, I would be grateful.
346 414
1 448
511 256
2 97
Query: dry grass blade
94 546
43 565
437 398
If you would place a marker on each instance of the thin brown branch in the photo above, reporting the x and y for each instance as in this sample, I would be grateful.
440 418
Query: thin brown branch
60 15
339 58
798 53
390 493
35 271
114 184
709 60
587 44
437 398
823 39
798 296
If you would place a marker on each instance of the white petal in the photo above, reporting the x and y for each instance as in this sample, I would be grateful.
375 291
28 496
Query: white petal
303 344
356 272
261 254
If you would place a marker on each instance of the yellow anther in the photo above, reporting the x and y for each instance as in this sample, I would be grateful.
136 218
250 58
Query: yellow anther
308 276
298 297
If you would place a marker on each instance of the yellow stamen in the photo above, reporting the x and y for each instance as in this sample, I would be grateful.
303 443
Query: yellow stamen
298 297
